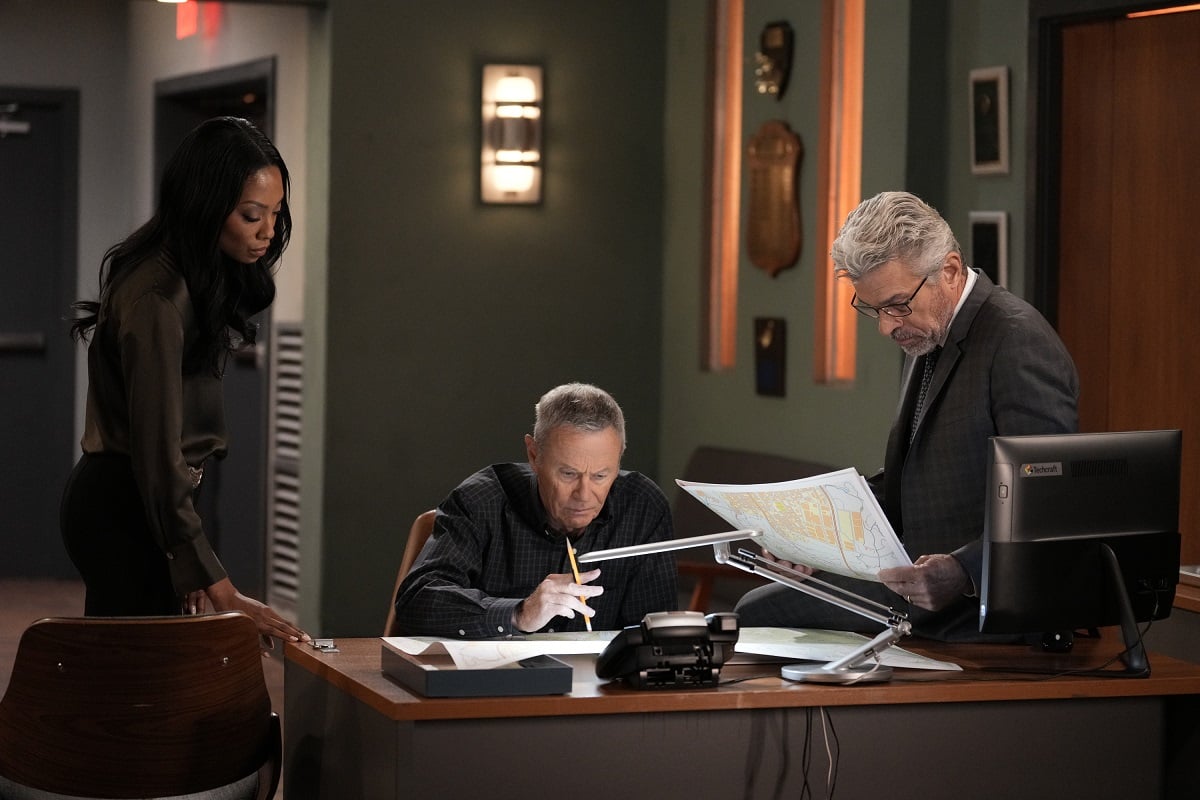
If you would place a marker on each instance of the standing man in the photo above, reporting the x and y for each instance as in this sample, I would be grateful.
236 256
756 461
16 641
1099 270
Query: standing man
498 562
979 362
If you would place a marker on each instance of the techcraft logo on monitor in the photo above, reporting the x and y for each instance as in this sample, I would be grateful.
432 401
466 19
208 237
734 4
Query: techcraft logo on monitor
1044 470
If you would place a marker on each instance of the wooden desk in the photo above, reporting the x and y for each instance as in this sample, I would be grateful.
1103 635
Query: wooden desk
351 732
1187 593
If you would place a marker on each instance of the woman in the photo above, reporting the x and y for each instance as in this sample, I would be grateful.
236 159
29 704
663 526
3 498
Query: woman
176 297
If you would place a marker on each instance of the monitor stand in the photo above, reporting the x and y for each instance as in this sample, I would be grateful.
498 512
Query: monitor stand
1137 665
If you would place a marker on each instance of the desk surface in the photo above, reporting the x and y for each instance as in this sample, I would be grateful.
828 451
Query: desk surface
356 671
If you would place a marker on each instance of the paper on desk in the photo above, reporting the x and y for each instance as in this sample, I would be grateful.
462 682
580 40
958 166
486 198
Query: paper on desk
823 645
491 653
831 522
791 643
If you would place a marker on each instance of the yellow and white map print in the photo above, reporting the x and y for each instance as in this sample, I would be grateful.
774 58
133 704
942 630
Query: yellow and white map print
829 522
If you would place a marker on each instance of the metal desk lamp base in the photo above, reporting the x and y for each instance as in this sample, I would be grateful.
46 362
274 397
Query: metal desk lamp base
821 673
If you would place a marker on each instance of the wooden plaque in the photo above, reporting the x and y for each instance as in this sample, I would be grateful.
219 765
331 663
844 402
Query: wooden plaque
773 235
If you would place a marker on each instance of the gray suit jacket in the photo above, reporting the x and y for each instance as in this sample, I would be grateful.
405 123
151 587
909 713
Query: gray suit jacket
1002 371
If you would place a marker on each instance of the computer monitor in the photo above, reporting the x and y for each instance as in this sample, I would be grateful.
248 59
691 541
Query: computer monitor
1081 531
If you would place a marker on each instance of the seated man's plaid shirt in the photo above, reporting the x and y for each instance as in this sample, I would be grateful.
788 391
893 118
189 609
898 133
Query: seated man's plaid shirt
491 546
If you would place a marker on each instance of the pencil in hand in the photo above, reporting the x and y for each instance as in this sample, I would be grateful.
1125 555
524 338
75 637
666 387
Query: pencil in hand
575 572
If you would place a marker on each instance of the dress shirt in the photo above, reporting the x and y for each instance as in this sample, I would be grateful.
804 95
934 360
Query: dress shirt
492 546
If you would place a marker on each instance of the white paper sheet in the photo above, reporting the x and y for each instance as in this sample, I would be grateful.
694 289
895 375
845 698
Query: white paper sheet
801 645
823 645
490 653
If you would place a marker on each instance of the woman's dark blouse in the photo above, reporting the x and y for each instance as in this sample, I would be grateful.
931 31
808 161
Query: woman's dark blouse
140 404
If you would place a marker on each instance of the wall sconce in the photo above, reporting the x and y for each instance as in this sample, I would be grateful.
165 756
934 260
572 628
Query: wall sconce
511 165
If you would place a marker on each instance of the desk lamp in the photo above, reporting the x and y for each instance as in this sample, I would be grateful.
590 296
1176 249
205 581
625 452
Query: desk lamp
851 668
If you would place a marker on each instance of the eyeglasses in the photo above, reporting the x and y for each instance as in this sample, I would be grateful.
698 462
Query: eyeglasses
891 309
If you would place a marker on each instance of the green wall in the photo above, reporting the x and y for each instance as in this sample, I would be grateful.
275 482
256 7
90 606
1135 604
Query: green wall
841 425
988 33
918 54
444 320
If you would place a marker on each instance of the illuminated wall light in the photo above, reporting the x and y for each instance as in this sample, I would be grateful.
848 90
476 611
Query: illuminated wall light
1169 10
511 137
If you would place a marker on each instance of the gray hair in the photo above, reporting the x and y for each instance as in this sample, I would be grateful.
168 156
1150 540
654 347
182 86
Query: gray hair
578 405
893 226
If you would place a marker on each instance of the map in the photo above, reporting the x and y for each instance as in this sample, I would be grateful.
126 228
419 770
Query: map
830 522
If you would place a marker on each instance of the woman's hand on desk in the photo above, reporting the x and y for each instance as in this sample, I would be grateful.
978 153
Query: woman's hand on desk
932 582
225 597
557 596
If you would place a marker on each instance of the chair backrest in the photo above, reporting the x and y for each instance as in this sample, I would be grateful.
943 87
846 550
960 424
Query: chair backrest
139 707
418 534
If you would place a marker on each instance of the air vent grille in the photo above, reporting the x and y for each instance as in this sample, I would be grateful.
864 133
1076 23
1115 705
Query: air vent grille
1100 468
283 546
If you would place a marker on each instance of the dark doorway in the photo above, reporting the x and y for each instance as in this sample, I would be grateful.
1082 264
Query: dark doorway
233 499
39 200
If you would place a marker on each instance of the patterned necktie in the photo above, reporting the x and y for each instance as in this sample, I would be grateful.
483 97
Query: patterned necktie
926 378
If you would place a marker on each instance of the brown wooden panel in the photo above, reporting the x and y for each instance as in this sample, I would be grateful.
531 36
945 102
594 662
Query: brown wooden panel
1129 210
1085 215
1156 210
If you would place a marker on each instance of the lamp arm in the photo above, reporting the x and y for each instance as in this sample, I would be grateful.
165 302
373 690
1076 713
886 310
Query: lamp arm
850 668
885 639
842 598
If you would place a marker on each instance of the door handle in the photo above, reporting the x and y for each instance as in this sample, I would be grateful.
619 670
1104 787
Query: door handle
22 342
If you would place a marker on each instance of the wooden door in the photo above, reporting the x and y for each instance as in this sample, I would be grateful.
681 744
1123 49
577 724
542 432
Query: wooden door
1129 218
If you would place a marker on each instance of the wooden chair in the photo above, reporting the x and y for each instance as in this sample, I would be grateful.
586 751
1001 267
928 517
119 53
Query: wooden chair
418 534
140 707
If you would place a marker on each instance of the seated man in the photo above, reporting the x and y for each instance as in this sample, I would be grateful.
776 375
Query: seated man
979 362
498 561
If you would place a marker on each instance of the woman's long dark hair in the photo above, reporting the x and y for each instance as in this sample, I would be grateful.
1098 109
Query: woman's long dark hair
200 188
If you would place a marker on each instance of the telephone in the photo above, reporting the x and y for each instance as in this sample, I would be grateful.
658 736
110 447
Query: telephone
670 649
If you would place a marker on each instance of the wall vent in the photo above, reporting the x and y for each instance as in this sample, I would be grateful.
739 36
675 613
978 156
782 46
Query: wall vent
283 545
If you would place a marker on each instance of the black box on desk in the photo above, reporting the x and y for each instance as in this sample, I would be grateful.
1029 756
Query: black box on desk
437 675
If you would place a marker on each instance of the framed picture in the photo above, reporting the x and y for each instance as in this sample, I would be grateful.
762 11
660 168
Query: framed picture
770 356
989 244
989 121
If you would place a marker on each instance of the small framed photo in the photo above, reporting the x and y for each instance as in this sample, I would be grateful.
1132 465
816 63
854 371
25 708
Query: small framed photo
770 356
989 244
989 121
